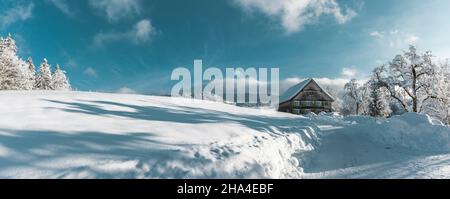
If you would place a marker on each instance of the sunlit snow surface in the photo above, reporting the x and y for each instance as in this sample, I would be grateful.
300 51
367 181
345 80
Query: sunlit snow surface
95 135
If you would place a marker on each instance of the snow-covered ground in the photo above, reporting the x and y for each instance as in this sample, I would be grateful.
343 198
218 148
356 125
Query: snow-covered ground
96 135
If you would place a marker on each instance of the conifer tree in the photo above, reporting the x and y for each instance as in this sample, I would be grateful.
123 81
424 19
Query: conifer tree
31 73
44 80
11 75
378 105
60 81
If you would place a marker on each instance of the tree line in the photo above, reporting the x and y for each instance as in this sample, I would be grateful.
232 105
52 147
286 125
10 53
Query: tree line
410 82
17 74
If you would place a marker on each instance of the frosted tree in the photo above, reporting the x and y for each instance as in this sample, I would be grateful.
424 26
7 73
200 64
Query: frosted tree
59 80
446 92
44 79
337 105
364 91
378 105
352 94
16 74
444 87
408 78
379 99
31 73
439 106
357 95
11 73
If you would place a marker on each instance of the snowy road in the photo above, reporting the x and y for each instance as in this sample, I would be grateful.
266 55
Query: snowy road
352 154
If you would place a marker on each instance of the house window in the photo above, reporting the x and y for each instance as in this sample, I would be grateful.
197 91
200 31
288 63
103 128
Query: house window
310 92
296 111
311 104
303 103
318 103
308 103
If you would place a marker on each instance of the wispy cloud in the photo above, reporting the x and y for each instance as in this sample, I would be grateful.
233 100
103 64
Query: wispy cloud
295 14
17 13
63 6
336 84
90 72
412 39
349 72
126 90
377 34
72 63
141 32
395 38
114 10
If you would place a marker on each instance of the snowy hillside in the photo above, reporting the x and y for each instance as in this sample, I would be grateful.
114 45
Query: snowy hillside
93 135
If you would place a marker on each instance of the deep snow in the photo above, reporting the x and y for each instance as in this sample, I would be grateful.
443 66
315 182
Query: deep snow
97 135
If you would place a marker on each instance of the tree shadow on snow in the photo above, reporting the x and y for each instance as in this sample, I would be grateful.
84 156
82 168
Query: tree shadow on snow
91 155
37 154
189 115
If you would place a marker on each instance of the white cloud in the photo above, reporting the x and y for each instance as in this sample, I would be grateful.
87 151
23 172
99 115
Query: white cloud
126 90
63 7
412 39
90 72
72 63
141 32
295 14
114 10
15 14
335 84
377 34
395 38
393 32
349 72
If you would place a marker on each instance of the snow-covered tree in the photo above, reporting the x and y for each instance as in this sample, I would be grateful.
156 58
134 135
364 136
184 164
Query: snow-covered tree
44 80
409 79
337 105
365 98
357 95
439 107
416 84
378 106
16 74
59 80
31 72
11 66
351 93
379 100
446 92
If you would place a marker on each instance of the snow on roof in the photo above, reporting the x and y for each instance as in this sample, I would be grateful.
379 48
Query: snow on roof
294 90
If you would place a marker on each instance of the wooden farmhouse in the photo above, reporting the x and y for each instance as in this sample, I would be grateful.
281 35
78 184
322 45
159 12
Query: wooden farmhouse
306 97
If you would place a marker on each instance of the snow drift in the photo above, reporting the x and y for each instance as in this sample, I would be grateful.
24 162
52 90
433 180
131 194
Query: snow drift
410 130
45 134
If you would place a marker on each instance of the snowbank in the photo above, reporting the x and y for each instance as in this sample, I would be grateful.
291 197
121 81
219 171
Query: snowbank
93 135
410 130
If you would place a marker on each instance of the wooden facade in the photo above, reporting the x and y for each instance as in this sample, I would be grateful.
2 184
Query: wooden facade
306 97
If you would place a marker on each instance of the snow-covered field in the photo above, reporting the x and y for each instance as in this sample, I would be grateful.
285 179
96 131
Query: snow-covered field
95 135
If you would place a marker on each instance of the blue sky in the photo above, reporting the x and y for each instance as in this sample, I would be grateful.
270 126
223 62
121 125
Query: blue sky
106 45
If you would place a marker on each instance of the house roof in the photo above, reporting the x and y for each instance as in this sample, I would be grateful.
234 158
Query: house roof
296 89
